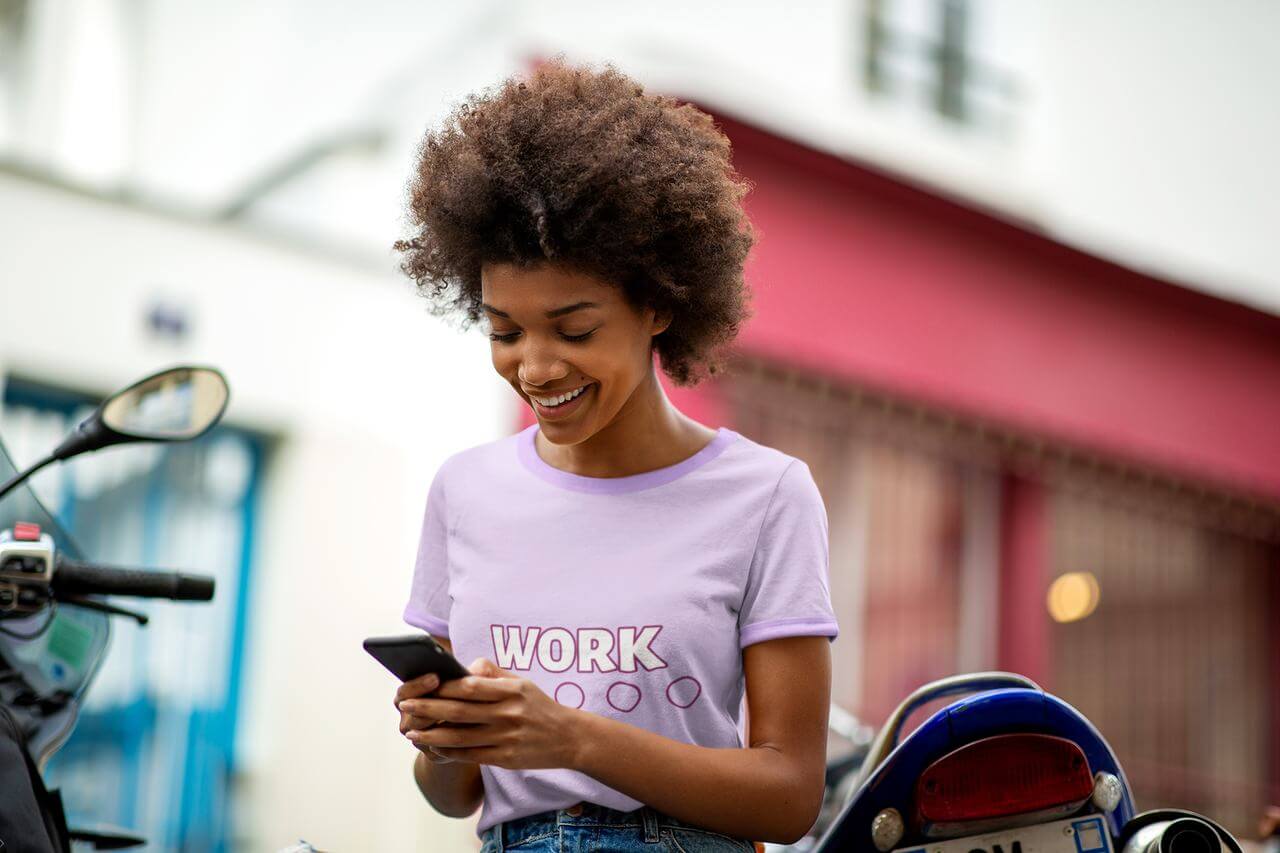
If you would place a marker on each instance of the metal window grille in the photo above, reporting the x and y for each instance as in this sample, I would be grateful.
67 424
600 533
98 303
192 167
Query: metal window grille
1174 666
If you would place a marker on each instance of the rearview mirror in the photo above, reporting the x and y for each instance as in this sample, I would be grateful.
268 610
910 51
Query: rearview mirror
177 404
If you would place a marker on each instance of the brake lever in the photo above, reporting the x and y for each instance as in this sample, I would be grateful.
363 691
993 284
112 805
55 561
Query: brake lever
104 607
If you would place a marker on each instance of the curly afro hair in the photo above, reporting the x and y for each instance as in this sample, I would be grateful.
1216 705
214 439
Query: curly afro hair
580 167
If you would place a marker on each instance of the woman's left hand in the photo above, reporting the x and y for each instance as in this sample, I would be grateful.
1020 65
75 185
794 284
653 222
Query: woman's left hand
506 721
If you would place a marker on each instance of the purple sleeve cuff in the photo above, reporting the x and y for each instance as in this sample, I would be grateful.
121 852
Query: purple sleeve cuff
803 626
433 626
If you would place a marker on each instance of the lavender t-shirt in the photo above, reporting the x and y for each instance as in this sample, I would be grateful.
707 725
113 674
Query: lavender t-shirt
630 597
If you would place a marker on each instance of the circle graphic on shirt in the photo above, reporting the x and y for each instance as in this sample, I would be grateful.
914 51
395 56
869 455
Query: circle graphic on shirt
569 693
684 691
623 696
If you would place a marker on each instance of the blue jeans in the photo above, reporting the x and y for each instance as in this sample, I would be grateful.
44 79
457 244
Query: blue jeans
599 828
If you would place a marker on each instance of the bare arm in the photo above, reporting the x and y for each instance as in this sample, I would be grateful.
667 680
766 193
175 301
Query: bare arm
769 791
453 788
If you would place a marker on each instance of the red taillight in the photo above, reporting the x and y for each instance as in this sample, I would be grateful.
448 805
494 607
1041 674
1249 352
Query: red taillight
1003 775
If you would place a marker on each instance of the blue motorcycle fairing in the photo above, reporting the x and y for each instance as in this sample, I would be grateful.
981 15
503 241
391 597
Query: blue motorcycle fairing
43 679
981 715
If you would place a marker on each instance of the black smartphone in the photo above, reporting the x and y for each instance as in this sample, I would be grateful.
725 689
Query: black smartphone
412 655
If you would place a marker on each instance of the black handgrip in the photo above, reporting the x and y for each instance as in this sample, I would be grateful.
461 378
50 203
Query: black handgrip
72 578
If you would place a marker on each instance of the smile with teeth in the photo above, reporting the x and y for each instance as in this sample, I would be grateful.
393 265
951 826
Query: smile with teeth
551 402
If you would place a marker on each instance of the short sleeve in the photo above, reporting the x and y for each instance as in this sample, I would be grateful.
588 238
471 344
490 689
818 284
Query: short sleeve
429 600
788 590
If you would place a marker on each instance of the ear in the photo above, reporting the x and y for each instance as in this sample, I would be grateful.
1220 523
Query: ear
660 322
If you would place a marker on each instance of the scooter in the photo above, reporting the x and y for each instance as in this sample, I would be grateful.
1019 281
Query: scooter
54 626
1008 768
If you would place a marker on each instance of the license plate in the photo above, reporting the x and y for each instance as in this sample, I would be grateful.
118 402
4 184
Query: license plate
1074 835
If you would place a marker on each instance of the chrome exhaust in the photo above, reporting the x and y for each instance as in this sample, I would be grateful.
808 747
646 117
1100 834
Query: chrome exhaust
1180 835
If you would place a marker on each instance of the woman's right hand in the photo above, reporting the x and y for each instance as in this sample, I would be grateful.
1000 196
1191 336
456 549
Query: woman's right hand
422 686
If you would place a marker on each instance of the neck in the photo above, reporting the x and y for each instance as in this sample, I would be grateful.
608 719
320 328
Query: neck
647 433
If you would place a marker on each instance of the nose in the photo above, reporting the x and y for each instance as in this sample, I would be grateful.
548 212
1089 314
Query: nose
538 374
540 365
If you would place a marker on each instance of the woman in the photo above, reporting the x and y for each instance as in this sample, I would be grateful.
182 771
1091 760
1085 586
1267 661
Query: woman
617 572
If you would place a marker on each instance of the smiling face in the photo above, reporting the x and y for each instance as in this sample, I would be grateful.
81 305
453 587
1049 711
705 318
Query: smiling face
554 331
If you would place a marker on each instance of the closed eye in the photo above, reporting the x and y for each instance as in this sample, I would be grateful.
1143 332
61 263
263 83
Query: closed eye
511 336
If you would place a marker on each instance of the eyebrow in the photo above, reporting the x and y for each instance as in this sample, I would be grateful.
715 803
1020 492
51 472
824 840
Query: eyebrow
551 315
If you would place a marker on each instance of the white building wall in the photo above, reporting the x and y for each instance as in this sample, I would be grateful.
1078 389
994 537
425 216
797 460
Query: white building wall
1142 130
1156 135
365 392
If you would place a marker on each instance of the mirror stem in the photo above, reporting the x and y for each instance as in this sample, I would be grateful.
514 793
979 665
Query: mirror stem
19 479
89 434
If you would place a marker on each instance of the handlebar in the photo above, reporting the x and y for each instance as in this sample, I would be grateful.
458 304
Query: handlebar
73 578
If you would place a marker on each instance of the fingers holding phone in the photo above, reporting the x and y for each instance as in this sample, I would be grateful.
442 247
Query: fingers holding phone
421 663
415 688
422 686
